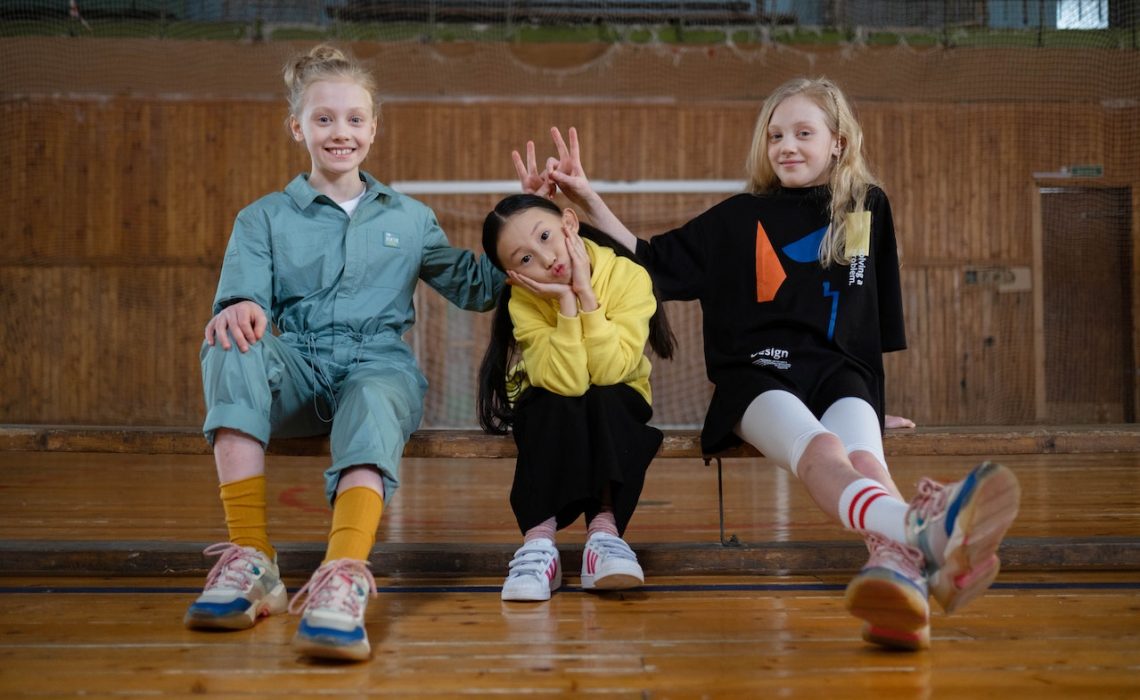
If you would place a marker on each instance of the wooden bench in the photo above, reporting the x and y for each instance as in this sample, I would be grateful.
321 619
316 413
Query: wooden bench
474 444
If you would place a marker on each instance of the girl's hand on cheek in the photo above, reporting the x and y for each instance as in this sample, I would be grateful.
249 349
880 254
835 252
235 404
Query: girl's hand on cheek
579 261
563 293
546 290
580 274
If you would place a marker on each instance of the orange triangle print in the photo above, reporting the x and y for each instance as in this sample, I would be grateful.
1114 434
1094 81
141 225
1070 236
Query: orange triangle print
769 272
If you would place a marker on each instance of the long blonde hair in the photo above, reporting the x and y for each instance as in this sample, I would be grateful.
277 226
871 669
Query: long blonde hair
324 62
850 177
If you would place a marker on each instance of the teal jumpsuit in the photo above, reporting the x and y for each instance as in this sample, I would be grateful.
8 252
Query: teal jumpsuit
339 291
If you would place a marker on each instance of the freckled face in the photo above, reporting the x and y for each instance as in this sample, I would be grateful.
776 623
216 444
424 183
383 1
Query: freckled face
801 147
533 243
337 126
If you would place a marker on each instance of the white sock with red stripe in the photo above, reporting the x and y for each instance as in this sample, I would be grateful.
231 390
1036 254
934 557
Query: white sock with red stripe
866 505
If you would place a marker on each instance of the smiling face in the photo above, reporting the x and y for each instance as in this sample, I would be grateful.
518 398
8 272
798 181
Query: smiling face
532 242
337 126
801 146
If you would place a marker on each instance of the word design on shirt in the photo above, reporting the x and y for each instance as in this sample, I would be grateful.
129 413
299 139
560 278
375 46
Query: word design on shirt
771 357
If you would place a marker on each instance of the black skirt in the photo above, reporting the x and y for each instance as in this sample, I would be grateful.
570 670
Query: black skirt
578 452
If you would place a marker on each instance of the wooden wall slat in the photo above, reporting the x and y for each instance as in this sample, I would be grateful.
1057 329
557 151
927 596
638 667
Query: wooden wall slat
119 211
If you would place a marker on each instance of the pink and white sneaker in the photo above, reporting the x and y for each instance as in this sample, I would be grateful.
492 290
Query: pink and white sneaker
958 528
890 595
535 572
609 564
243 587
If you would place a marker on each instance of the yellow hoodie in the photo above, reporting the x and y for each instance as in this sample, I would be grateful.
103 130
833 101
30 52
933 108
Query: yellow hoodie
601 347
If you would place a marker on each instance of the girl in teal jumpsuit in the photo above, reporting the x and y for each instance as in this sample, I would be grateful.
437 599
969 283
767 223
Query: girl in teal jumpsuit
333 262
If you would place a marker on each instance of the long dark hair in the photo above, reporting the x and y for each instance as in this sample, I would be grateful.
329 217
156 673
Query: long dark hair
494 406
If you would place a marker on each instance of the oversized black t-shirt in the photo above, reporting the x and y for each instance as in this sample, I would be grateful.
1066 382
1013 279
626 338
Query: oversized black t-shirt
774 317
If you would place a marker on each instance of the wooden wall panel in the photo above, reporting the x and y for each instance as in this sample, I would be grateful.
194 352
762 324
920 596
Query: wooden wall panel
119 210
102 344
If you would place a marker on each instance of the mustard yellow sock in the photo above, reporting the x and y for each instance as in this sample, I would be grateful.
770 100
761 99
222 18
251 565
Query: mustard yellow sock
244 504
356 515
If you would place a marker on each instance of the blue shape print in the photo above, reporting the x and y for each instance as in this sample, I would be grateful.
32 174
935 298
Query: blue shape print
834 308
806 249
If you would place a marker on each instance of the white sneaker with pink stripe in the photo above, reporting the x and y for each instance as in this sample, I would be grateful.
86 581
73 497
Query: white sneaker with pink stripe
535 571
609 564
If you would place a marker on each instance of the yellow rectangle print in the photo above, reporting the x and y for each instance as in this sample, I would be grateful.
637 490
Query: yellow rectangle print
858 233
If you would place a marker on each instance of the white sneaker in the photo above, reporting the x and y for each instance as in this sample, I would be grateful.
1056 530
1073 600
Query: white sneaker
535 571
332 619
242 587
609 564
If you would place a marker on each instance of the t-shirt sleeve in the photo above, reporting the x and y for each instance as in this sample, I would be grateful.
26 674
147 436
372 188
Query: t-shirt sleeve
892 329
677 259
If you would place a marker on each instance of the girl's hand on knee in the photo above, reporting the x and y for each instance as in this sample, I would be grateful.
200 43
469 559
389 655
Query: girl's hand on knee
244 321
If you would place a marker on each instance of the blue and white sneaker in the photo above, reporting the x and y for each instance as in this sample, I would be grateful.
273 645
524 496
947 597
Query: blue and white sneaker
889 593
332 618
242 587
958 528
609 564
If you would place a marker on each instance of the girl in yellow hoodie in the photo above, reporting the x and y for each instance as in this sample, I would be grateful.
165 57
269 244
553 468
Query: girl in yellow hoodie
566 371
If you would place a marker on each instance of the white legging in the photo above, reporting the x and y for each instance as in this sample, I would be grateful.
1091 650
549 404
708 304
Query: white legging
781 426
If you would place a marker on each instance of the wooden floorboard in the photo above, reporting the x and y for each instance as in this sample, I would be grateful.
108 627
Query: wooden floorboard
1042 637
100 555
128 514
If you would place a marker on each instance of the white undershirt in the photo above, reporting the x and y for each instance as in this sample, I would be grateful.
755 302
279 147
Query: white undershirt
350 205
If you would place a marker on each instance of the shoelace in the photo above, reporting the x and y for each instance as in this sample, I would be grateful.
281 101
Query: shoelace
908 559
530 562
233 569
333 586
614 547
931 499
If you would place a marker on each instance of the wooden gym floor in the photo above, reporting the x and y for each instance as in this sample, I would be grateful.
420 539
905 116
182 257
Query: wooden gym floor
100 554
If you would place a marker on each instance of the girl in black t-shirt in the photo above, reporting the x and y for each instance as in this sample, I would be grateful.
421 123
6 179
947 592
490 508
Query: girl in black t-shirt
798 281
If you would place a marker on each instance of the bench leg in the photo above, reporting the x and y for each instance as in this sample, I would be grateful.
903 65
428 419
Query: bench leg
732 541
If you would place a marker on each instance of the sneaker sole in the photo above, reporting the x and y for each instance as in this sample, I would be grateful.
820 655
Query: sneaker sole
897 615
971 563
622 575
613 582
273 604
536 597
314 648
916 640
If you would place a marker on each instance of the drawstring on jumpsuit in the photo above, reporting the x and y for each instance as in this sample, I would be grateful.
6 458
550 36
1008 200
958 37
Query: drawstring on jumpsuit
321 378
